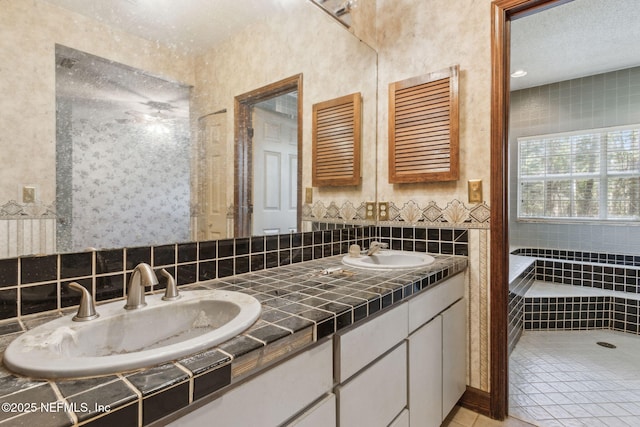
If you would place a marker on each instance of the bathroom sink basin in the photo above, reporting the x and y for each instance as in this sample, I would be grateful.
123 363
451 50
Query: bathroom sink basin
390 260
121 340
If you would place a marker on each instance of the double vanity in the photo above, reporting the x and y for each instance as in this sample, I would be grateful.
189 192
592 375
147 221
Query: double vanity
319 343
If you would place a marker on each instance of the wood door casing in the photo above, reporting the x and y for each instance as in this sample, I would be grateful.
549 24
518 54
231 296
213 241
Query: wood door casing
242 135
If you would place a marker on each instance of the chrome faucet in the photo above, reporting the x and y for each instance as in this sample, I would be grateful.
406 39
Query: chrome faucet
87 308
375 247
141 276
171 293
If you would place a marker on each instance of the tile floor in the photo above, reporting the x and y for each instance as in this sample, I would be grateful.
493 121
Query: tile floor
462 417
564 378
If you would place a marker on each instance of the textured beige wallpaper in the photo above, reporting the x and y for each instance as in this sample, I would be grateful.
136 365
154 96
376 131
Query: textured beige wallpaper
29 31
415 38
333 63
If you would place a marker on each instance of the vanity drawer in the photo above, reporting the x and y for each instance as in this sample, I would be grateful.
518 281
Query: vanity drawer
360 346
376 395
298 382
429 303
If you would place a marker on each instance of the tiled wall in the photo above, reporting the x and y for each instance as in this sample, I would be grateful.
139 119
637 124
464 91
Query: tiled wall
599 257
30 285
567 313
603 100
572 270
579 313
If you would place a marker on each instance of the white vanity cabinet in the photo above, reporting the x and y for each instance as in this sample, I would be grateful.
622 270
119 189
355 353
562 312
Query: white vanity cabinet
406 366
274 397
403 367
454 355
437 353
425 378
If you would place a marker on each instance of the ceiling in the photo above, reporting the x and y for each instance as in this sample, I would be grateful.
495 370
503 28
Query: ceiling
129 93
190 25
576 39
195 25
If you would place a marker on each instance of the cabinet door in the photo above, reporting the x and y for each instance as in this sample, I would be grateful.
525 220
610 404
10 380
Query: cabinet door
454 350
425 375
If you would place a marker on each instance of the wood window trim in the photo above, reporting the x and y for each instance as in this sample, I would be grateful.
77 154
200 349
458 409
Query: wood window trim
336 145
437 137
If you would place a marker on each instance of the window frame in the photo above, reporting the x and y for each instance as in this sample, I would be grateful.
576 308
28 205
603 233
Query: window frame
602 176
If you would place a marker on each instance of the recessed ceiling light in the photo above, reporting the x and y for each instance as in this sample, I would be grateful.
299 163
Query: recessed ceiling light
518 73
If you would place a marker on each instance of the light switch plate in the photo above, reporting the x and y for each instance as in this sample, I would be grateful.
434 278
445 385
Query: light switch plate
475 190
28 194
308 195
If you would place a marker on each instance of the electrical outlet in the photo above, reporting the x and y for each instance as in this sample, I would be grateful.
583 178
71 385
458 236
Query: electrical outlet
308 195
383 211
371 211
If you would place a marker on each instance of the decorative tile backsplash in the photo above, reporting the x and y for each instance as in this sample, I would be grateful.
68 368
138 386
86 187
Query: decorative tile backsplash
455 214
35 284
14 210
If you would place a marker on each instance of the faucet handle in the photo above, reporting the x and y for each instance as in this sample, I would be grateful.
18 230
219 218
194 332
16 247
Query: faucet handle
171 293
86 309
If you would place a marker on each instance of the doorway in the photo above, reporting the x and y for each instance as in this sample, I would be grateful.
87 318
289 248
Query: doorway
275 166
268 134
503 12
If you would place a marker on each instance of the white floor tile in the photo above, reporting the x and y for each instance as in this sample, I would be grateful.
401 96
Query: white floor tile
563 378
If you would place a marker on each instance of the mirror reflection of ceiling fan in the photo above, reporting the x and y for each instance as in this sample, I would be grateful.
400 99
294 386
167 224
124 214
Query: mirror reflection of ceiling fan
160 113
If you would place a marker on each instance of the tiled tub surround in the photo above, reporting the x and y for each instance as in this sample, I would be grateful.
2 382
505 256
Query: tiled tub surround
522 272
564 294
300 306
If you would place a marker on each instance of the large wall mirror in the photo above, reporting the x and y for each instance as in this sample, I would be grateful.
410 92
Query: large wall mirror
117 124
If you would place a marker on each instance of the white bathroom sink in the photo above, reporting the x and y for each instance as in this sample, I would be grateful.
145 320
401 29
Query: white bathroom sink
121 340
390 260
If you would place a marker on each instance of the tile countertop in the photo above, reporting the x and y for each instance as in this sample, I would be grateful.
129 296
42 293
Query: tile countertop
300 305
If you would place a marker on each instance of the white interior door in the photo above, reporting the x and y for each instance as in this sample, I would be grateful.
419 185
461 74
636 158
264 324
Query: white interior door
275 173
212 186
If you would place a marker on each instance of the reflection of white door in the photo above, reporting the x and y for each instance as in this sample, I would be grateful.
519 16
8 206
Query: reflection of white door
212 185
275 178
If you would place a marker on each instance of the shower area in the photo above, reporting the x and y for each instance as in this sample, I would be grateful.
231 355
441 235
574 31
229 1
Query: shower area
574 225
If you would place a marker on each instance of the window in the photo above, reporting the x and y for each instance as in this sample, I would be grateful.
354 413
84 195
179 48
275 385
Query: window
585 175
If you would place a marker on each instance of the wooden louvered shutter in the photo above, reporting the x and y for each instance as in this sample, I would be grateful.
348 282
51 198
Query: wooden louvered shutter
423 128
336 141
